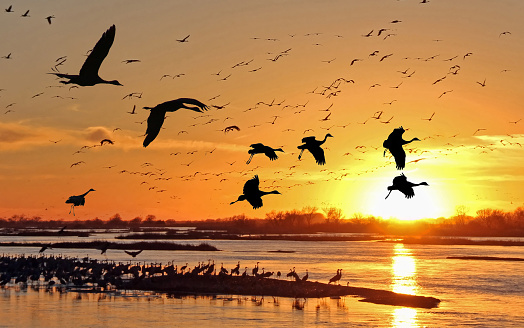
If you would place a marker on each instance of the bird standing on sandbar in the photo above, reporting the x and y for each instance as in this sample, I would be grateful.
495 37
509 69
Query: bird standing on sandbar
78 200
158 113
252 194
259 148
394 143
402 184
88 75
313 145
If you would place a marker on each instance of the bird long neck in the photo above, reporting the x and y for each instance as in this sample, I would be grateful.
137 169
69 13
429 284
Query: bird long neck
269 192
324 140
408 141
87 192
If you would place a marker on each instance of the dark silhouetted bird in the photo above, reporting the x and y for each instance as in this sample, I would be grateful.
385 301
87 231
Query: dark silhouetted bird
88 75
313 145
402 184
77 201
336 277
108 141
259 148
394 143
158 113
252 194
134 254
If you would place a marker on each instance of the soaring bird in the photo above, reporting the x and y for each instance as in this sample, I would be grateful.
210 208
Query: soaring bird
259 148
313 145
394 143
78 200
49 19
402 184
134 254
252 194
88 75
158 113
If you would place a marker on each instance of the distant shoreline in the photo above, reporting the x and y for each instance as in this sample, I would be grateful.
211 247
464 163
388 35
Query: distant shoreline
157 246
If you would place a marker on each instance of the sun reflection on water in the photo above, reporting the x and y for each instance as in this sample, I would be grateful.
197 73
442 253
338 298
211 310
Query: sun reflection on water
404 274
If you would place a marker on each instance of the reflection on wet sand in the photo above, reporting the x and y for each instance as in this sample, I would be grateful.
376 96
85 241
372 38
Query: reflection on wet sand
404 280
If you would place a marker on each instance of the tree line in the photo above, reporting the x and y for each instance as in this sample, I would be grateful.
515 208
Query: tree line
486 222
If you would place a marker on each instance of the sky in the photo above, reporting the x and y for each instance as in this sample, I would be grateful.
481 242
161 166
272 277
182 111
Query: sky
449 72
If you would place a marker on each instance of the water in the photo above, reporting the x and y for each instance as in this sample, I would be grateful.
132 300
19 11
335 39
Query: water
473 293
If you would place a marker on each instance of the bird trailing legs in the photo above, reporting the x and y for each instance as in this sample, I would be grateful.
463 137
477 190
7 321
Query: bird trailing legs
300 155
249 160
389 191
73 209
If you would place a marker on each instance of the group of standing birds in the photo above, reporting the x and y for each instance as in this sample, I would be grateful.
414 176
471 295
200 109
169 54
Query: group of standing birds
88 76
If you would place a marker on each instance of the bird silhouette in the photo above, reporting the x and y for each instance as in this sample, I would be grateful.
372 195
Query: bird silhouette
252 194
394 143
134 254
259 148
88 75
48 18
313 145
78 200
336 277
402 184
10 9
158 113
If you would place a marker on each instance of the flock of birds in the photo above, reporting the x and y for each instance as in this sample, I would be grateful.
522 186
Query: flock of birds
70 271
88 76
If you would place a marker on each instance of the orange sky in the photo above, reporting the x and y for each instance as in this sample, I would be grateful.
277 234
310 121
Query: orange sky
463 167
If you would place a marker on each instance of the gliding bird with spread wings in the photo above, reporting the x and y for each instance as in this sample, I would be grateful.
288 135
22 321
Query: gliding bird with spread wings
394 143
252 194
402 184
158 113
88 75
259 148
313 145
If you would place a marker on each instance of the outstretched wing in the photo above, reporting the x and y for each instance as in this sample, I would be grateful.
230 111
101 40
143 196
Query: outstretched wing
400 156
256 202
99 53
269 152
201 107
318 154
251 186
154 124
407 191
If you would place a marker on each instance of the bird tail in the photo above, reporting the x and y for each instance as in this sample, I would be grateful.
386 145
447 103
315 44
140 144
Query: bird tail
249 160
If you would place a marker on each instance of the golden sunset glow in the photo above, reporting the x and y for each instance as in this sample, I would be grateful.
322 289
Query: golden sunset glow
275 71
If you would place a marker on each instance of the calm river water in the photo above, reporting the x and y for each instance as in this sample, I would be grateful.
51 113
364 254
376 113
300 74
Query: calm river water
473 293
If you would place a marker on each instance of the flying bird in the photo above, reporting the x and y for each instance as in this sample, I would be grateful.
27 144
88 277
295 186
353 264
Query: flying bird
49 19
313 145
402 184
231 128
108 141
394 143
158 113
78 200
252 194
134 254
259 148
10 9
26 14
88 75
184 39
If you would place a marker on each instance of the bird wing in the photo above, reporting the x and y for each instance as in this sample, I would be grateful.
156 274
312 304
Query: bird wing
99 53
154 123
256 202
308 139
201 106
318 154
269 152
400 156
407 191
251 186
